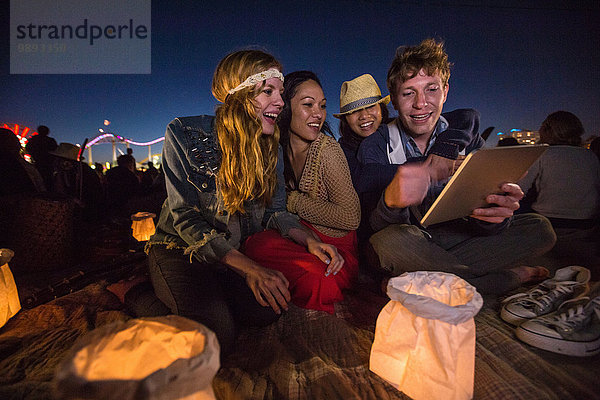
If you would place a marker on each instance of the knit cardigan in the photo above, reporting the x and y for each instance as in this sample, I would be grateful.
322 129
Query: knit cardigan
325 196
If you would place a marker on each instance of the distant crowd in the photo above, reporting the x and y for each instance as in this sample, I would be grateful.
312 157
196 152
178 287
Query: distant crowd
59 171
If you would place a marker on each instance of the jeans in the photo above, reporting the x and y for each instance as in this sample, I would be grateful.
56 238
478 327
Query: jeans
213 295
480 260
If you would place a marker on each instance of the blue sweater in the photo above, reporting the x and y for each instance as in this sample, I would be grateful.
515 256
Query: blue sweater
371 171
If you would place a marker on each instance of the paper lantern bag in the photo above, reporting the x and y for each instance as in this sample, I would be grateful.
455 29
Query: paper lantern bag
9 295
425 336
142 225
162 358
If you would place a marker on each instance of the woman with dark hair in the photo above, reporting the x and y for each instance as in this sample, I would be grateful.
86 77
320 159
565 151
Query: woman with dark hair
362 110
565 180
320 192
224 180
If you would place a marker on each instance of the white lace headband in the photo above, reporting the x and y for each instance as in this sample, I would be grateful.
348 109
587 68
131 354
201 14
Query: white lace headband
256 78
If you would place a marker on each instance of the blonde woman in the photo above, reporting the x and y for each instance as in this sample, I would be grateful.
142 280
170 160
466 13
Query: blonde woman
224 184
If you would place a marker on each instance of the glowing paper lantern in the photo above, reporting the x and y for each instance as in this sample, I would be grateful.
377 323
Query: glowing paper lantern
143 225
425 336
9 296
162 358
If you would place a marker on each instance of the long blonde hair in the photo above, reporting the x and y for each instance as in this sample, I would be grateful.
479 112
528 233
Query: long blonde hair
249 158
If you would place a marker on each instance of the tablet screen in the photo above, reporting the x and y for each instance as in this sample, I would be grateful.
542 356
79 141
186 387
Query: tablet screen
479 175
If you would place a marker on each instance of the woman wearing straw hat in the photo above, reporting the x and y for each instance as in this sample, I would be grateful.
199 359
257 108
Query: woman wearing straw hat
362 110
358 114
320 192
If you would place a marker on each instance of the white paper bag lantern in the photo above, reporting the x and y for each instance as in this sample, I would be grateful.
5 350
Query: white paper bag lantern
425 336
143 225
9 296
162 358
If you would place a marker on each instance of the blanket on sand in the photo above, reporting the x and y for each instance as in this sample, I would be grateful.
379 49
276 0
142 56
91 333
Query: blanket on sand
305 355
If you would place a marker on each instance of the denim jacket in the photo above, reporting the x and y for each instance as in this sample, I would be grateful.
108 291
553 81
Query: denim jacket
193 216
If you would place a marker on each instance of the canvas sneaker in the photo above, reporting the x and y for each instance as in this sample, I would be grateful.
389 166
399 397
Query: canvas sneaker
574 332
568 284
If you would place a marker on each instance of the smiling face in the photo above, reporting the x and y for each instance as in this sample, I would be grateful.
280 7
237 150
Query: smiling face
366 121
308 111
419 102
268 104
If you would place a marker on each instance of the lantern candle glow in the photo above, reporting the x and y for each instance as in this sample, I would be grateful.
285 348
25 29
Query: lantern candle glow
143 225
9 296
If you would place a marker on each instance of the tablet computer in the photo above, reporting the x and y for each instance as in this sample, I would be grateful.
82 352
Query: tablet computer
479 175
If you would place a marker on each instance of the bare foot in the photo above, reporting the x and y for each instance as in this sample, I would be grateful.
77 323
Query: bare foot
528 274
121 288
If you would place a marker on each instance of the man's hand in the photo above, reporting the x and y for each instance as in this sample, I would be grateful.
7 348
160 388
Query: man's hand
441 168
270 288
328 254
409 186
504 205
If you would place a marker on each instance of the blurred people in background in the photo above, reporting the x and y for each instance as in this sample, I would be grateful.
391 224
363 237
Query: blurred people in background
75 179
595 146
148 177
122 184
99 169
564 185
38 147
18 176
130 154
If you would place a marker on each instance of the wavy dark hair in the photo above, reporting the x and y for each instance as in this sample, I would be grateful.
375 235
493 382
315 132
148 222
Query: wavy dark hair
290 87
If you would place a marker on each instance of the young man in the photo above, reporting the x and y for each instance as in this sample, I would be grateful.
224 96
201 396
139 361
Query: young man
484 248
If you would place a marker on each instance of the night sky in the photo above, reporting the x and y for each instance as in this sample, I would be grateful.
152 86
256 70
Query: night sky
515 63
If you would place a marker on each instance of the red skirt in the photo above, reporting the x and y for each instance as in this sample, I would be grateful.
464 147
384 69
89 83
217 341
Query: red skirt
309 287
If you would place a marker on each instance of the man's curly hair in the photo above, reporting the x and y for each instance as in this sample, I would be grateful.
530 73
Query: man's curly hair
409 60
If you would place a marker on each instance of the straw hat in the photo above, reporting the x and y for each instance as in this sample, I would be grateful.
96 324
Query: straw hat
66 150
359 93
